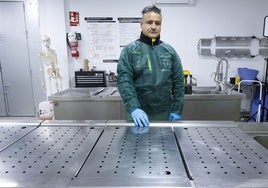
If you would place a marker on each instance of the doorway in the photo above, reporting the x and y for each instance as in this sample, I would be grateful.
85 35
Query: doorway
16 89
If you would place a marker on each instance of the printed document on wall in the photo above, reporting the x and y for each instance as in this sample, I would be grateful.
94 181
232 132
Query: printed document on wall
102 39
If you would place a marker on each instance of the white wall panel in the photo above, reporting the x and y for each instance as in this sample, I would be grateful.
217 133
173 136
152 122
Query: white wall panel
182 27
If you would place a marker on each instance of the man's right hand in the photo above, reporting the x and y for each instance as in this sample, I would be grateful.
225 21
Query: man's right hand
140 118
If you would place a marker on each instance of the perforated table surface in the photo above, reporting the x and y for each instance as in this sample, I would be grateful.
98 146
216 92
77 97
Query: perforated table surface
47 157
124 158
224 157
11 131
102 154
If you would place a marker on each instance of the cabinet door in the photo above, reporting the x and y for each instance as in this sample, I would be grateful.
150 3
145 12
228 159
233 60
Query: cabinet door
14 56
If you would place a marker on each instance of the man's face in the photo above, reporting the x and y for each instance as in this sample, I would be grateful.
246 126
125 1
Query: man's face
151 24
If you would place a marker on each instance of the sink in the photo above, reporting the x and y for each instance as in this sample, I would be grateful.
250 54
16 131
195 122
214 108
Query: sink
211 90
207 92
204 90
206 103
258 131
263 140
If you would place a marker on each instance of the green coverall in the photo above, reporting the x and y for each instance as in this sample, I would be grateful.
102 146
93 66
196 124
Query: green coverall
150 77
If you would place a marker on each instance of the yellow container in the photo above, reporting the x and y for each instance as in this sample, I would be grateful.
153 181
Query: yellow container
186 72
237 80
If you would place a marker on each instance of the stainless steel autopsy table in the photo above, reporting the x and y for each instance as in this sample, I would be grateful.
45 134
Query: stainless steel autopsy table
102 153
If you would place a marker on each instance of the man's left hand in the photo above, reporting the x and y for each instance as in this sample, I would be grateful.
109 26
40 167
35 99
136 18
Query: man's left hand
174 116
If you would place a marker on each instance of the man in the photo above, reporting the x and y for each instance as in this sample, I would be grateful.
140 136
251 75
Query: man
150 75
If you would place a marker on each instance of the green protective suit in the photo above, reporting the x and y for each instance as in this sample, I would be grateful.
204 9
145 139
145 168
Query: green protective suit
150 77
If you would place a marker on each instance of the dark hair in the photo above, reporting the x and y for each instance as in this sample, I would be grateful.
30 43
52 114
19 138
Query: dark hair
151 8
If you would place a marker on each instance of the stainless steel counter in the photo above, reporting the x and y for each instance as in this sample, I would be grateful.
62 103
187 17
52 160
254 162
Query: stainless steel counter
63 153
99 103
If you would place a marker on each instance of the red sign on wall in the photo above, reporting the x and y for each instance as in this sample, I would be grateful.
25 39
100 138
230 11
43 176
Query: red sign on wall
74 18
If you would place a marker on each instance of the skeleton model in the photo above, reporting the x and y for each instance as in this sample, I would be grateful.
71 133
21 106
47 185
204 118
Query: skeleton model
49 71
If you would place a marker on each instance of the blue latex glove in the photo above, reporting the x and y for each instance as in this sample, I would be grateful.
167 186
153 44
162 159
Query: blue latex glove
140 117
174 116
139 130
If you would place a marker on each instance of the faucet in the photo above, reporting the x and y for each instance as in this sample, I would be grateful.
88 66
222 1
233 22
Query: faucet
221 76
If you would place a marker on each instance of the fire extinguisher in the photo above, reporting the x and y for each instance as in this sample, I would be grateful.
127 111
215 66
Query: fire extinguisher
73 44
